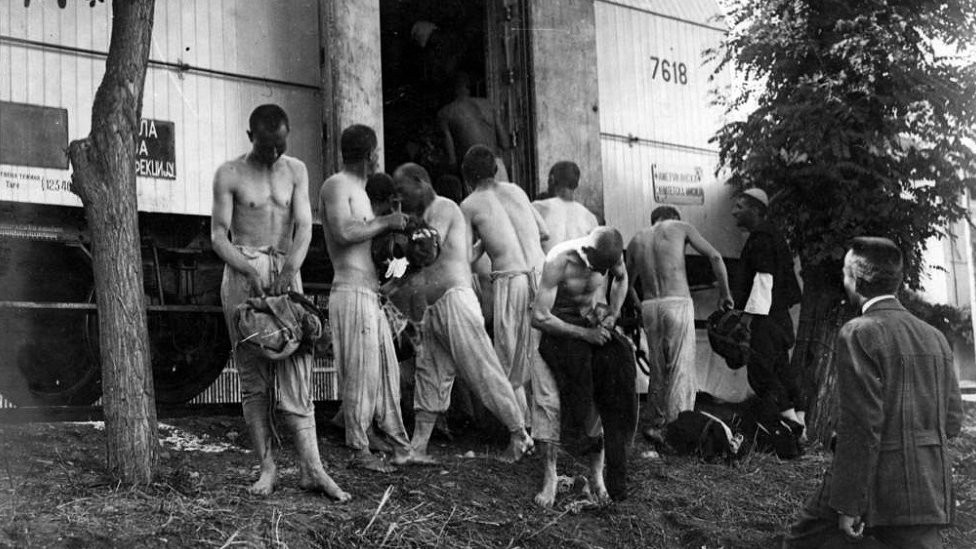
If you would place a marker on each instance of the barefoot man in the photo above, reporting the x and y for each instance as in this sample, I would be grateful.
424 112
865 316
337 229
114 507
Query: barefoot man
565 218
453 329
589 369
261 227
656 257
511 233
361 334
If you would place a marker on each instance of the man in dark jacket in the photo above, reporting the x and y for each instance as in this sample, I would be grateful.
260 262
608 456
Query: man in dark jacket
891 479
766 288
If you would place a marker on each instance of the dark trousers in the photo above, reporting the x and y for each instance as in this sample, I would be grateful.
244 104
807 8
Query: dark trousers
771 375
816 528
604 376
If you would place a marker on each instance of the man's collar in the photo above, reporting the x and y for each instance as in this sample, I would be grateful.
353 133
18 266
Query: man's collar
873 300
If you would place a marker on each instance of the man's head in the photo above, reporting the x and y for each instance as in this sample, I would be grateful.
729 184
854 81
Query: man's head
478 165
603 249
450 187
381 193
413 187
873 266
663 213
750 208
268 132
358 144
564 178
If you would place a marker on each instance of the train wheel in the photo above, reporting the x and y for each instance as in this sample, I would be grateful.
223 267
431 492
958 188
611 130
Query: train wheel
189 351
47 358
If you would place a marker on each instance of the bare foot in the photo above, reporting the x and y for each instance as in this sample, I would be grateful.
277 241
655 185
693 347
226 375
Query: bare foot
600 494
546 496
266 482
520 446
317 480
372 462
415 458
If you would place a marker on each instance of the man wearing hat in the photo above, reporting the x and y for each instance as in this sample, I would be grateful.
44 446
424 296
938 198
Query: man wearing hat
765 289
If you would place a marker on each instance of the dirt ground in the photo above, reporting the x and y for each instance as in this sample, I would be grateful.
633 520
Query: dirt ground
54 492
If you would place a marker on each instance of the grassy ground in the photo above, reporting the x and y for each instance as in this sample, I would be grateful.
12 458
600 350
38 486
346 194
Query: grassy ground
54 493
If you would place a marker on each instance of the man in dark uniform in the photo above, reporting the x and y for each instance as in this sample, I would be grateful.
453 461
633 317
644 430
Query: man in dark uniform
890 483
766 288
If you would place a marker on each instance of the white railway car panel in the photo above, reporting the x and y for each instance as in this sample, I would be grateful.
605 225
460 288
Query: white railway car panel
668 119
238 37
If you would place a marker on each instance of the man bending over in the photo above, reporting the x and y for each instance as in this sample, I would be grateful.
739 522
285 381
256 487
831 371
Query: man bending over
589 368
453 329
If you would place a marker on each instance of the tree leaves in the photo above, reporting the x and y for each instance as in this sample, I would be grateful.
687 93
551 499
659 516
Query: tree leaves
860 126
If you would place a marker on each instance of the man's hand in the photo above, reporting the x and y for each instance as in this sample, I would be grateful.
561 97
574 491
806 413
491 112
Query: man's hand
596 336
282 283
852 527
725 302
254 283
609 321
396 221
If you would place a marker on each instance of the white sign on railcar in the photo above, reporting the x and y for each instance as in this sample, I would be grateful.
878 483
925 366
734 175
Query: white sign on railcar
678 184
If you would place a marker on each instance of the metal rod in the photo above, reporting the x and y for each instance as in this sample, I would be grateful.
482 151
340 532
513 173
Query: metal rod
634 139
92 306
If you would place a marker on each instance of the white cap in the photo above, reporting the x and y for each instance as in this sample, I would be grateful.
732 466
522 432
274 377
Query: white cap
758 194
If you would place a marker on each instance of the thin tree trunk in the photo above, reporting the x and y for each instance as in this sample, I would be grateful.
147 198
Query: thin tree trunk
822 312
104 178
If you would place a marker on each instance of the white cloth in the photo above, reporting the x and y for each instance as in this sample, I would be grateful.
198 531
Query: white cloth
761 296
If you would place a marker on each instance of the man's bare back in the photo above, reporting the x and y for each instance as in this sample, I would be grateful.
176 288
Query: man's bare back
349 226
509 227
469 121
656 256
565 220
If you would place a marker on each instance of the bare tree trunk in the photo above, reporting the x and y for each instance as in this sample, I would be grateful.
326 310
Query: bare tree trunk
104 177
822 312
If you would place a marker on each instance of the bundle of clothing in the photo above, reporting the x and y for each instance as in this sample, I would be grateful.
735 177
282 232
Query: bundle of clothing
399 252
726 431
278 326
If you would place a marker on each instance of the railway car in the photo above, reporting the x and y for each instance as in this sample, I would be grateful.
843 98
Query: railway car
621 87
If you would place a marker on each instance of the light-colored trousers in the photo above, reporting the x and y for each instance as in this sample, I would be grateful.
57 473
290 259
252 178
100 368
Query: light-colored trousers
455 342
669 323
367 359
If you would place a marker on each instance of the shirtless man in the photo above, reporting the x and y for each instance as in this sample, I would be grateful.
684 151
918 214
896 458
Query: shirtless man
261 227
453 330
511 232
577 327
656 257
565 218
468 121
361 334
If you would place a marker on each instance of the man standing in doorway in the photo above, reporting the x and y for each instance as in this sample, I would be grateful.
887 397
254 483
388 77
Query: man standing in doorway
656 257
361 334
261 227
765 289
468 121
565 218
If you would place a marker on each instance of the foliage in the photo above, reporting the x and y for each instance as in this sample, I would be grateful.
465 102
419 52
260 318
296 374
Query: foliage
955 323
860 126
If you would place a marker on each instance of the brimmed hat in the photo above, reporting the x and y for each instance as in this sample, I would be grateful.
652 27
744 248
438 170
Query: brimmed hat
758 194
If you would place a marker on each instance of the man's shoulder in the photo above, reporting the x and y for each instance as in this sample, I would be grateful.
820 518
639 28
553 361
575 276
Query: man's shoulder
292 163
443 207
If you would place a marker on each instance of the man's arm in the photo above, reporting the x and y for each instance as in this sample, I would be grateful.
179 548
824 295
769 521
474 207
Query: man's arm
220 223
448 139
545 298
346 230
618 293
500 132
474 239
541 224
702 246
301 214
861 417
